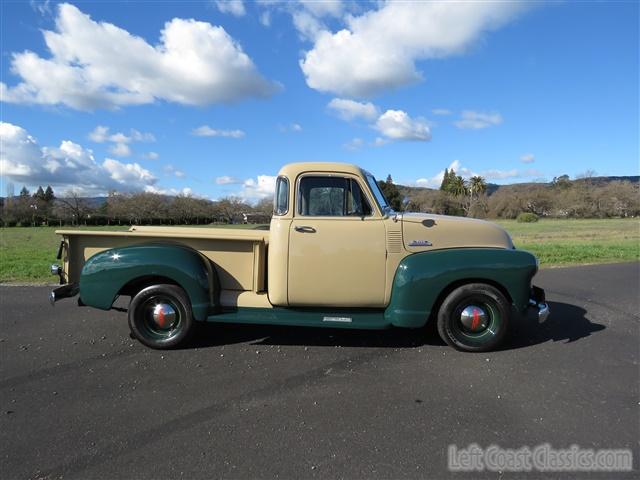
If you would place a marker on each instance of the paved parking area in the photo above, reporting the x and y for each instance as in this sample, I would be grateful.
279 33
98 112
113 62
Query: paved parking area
80 399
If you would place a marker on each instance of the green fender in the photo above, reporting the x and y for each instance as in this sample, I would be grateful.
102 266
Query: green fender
107 272
421 278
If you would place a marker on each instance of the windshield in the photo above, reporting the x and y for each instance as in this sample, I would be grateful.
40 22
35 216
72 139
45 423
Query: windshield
384 205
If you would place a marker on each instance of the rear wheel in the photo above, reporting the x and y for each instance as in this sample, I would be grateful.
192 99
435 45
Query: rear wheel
474 318
160 316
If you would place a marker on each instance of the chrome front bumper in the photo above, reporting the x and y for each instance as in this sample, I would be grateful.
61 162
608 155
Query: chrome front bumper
538 302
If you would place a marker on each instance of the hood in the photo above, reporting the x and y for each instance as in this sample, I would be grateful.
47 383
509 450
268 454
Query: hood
422 231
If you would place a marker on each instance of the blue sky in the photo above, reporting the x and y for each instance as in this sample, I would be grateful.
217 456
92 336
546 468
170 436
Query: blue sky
211 98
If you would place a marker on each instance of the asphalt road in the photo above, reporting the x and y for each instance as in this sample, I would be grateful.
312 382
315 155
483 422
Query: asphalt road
79 399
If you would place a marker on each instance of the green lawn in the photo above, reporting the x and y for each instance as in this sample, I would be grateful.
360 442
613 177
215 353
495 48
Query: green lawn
26 253
572 242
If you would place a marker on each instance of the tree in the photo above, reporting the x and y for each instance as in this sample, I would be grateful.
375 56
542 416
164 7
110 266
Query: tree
48 194
74 208
477 186
24 192
457 186
39 195
444 186
391 193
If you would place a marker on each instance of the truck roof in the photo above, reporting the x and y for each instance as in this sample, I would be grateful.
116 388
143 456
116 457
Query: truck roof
292 170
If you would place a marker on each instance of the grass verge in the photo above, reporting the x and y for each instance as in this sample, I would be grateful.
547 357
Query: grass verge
26 253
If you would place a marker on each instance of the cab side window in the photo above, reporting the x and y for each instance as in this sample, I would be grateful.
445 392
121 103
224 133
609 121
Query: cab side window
324 196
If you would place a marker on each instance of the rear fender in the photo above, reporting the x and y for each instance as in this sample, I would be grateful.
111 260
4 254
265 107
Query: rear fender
107 273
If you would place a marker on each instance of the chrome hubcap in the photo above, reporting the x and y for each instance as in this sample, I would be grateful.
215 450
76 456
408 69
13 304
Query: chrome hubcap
164 316
474 318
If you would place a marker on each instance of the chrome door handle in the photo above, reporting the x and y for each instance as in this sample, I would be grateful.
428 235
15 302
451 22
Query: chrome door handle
305 229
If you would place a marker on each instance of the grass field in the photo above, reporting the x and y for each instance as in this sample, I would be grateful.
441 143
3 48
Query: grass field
26 253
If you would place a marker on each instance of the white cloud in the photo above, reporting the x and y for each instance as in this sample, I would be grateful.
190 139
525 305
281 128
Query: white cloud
378 50
477 120
397 125
99 134
354 144
121 141
350 109
441 111
23 160
233 7
151 156
308 16
99 65
528 158
227 180
207 131
255 189
323 8
120 150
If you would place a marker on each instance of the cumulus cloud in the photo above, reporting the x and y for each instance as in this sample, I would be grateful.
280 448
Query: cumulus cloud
207 131
233 7
121 141
528 158
392 124
378 49
351 110
23 160
397 125
120 150
99 65
258 188
477 120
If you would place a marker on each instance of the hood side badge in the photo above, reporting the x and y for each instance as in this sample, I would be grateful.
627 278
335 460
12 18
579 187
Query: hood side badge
420 243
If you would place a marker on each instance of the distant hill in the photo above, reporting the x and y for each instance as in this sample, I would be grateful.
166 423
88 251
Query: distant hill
493 188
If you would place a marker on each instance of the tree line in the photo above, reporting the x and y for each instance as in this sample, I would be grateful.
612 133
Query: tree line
44 208
588 197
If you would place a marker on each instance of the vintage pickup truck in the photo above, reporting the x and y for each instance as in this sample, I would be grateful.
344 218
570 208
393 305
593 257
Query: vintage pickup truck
335 255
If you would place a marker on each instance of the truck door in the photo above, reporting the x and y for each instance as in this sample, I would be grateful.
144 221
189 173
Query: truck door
336 245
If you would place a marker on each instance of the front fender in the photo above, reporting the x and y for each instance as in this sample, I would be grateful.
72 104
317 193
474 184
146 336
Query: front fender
422 277
107 272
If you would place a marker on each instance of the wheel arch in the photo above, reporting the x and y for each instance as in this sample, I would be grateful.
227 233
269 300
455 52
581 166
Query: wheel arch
423 280
127 270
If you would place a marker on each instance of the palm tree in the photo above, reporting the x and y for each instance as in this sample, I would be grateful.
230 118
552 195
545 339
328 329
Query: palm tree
457 186
477 186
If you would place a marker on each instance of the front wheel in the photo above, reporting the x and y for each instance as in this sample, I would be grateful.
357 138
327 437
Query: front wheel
160 316
474 318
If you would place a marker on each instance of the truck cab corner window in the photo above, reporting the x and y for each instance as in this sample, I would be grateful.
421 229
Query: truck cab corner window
281 199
